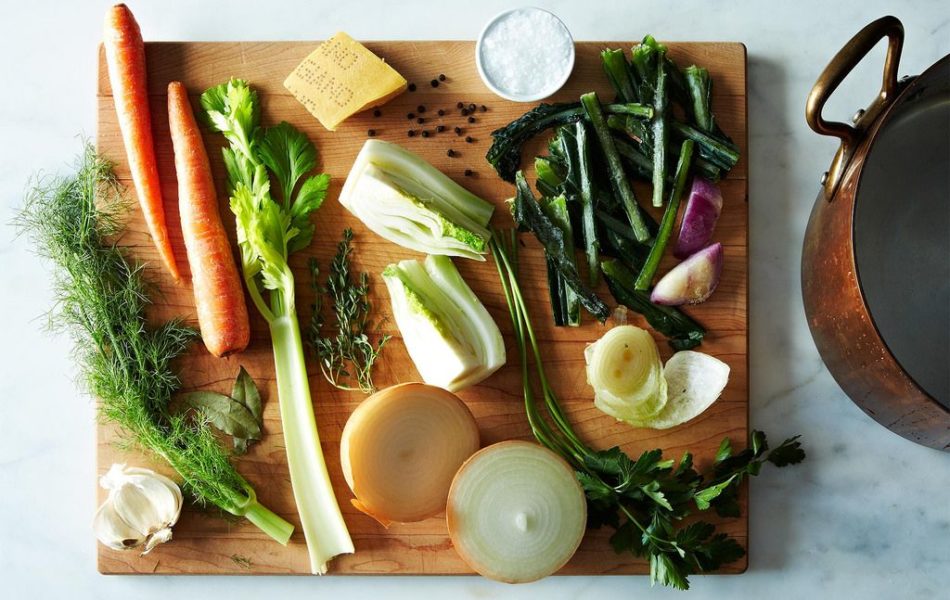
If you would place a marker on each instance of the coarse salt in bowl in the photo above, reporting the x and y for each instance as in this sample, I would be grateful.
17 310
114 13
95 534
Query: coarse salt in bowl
525 54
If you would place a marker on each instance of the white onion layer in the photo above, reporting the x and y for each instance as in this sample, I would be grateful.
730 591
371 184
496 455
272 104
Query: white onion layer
624 369
516 512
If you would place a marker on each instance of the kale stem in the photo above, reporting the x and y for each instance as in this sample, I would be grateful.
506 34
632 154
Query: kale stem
660 103
618 178
699 86
618 72
721 153
589 229
645 279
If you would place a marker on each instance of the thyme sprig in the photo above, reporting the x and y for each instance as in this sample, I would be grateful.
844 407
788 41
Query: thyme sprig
347 357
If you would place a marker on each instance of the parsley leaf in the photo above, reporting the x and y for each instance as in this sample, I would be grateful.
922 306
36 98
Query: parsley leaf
310 197
289 155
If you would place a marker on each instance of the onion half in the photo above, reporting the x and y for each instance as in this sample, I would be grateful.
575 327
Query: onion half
400 449
516 512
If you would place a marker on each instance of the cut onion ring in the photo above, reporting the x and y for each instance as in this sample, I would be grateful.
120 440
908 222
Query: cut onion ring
516 512
400 449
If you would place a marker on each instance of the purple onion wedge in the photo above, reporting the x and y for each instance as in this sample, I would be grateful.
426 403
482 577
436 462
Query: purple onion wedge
692 281
699 218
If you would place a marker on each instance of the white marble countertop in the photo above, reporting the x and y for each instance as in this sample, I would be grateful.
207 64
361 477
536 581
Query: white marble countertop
866 516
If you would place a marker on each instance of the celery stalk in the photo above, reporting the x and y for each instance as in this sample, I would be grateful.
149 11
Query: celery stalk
268 232
320 516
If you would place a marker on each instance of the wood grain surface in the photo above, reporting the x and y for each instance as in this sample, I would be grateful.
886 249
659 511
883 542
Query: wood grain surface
206 543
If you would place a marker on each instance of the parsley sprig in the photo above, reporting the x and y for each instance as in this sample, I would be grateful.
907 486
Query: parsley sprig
646 501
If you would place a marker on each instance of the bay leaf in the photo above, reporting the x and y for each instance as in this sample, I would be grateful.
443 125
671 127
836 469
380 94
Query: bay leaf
225 413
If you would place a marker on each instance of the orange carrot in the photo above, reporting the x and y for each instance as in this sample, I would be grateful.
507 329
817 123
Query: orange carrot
219 297
125 55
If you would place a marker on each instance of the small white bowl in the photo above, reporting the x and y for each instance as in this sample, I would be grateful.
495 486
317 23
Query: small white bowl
535 95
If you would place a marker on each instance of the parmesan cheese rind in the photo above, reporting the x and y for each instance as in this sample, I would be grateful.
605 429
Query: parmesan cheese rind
341 78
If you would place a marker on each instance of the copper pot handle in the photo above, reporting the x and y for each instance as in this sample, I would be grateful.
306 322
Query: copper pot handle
840 66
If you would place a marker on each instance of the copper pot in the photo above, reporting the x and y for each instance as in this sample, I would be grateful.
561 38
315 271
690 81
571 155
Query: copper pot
876 256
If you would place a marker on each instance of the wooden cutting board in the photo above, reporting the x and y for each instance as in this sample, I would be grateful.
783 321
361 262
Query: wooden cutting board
206 543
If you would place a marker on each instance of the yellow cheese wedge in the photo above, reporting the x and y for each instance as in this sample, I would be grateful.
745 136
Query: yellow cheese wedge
341 78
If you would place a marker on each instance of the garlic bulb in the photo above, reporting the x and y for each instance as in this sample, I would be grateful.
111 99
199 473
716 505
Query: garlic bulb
141 508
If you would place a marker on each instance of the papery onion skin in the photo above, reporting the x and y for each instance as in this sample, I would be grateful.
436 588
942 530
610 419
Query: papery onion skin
695 381
460 511
401 448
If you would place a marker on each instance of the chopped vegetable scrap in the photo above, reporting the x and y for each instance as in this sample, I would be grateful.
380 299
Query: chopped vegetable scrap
597 150
407 201
451 338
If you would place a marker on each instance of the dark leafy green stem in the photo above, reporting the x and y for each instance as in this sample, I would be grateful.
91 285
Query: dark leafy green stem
618 179
618 72
645 279
642 165
528 215
721 153
699 86
660 104
589 229
505 151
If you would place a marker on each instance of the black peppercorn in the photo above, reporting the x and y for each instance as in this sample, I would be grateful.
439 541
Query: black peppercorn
377 112
411 116
412 132
471 119
440 128
450 153
371 133
420 120
441 112
471 108
458 131
420 109
459 105
464 112
425 133
468 172
434 83
469 139
441 76
484 108
412 87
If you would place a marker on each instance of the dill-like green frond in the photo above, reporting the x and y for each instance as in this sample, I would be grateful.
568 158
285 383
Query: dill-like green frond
101 298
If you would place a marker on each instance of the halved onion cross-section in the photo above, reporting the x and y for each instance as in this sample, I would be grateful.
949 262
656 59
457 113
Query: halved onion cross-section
516 512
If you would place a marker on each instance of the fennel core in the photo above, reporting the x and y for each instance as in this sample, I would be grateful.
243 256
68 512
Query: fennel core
124 362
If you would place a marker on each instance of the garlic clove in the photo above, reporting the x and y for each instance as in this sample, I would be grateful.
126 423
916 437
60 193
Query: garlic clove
159 537
112 531
146 504
141 508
